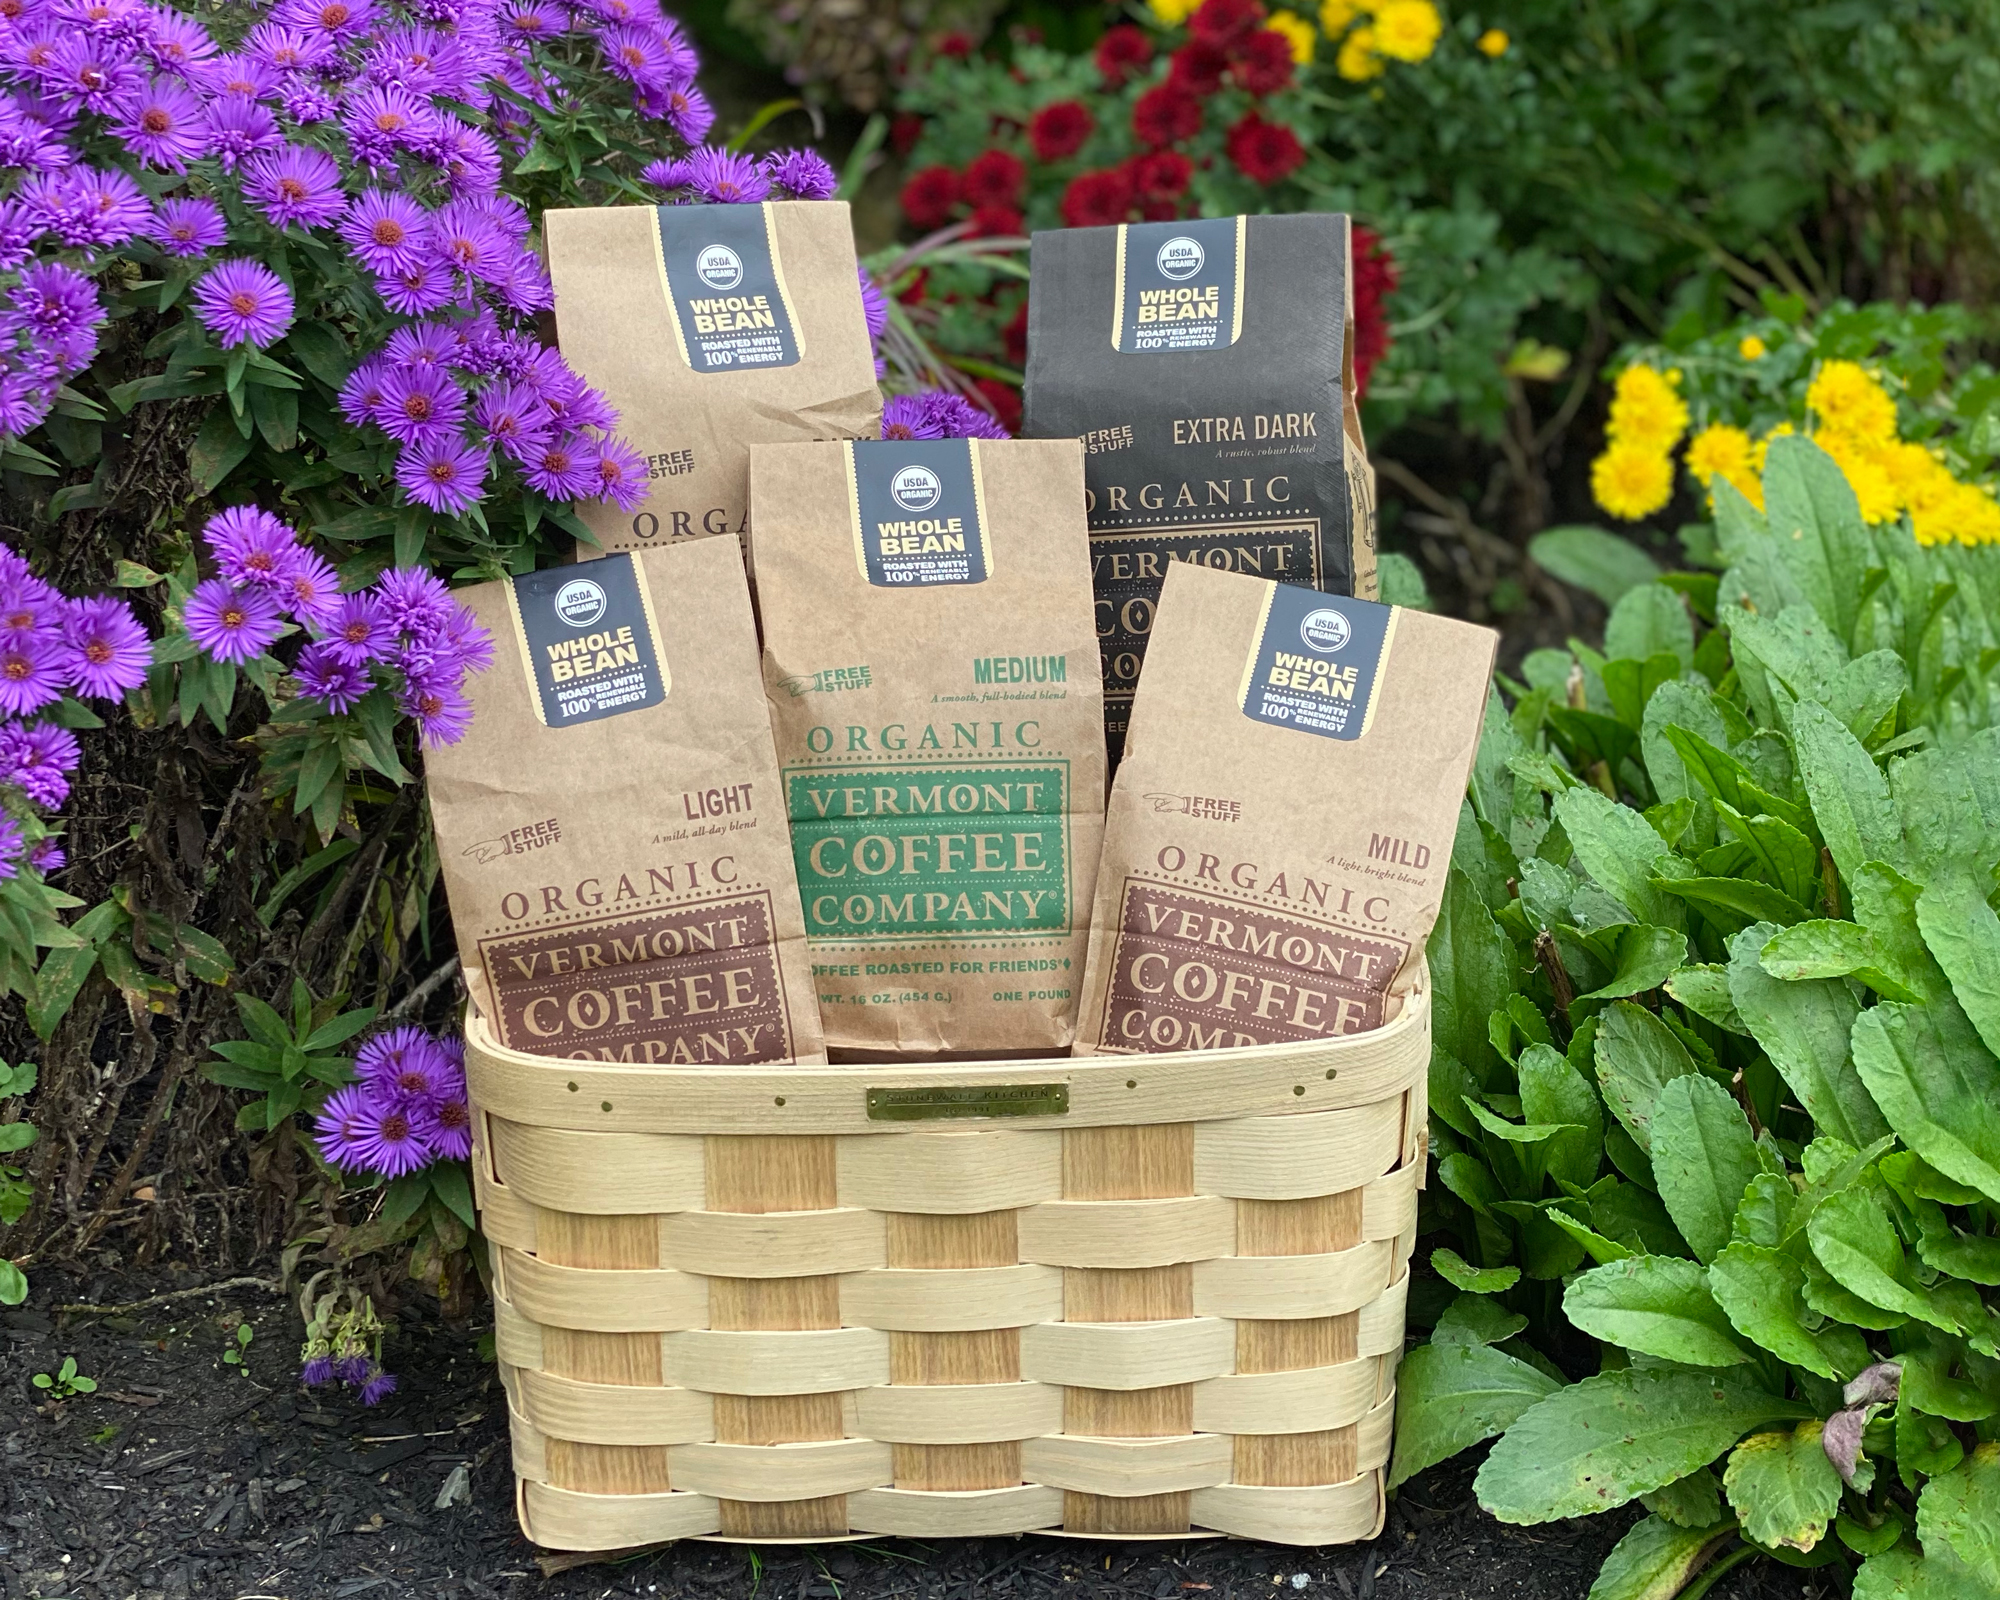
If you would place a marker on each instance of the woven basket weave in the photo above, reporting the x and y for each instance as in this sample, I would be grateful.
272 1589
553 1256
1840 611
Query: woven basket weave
732 1303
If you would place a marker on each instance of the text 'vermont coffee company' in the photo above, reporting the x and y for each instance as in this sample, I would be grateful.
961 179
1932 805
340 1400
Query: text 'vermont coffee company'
710 328
933 681
612 827
1207 367
1282 824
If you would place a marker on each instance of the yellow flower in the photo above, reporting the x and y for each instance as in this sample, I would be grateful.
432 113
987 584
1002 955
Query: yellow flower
1357 61
1964 513
1407 29
1335 15
1645 410
1849 401
1866 476
1493 42
1631 481
1173 12
1298 34
1718 449
1751 348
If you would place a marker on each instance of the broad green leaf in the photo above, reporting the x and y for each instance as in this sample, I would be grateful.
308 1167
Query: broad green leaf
1553 1091
1704 989
1912 1177
1810 950
13 1284
1686 705
1866 1541
1546 1249
1657 1305
1964 936
1477 1319
57 984
1451 1396
1636 1056
1599 1443
1925 1445
1763 1293
1691 1502
1590 558
1865 692
217 450
1937 1085
1850 797
1704 1155
1620 850
1472 974
1805 1028
1726 775
1815 522
1949 801
204 954
1855 1241
1973 1257
1597 1246
1461 1274
1798 649
1783 1487
1646 956
1647 620
1885 903
1927 1384
450 1184
1630 685
1829 1299
403 1197
1634 1216
1905 1574
1655 1560
1788 860
1960 1510
1515 1132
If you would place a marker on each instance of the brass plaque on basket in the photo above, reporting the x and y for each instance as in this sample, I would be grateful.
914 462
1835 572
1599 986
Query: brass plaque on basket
969 1100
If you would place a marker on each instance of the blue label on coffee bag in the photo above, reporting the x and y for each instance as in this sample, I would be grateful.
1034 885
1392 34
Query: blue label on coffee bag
1179 285
725 284
1316 660
589 640
918 511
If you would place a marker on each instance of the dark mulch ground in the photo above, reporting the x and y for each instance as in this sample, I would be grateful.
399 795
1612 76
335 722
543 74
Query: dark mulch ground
182 1478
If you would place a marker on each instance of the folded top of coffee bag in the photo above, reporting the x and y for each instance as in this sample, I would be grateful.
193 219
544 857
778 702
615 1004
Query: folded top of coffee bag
611 829
711 328
1281 828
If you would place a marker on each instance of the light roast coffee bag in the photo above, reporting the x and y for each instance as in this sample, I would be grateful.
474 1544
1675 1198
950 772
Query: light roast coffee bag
710 328
1208 367
611 828
934 693
1282 824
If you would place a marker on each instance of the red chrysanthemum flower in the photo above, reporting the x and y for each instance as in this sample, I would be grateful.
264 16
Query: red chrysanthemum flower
1097 199
1014 337
1264 152
1198 67
905 131
1375 276
1160 175
1122 52
1003 400
955 45
929 196
1166 114
1058 131
1265 64
999 222
993 178
1226 23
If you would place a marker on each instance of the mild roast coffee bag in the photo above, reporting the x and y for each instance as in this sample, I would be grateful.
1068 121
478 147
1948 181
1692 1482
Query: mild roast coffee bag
1208 368
711 328
932 676
611 828
1282 823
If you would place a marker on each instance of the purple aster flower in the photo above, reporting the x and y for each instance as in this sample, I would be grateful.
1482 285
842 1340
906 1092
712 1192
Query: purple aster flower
243 300
422 60
404 1063
352 1365
295 185
416 289
465 644
529 22
523 284
363 396
379 1385
442 715
305 102
338 19
388 231
31 50
514 418
251 546
802 174
28 606
452 1045
166 126
420 344
389 1142
323 676
317 1371
668 175
247 76
341 1128
49 204
23 403
36 756
958 418
444 473
33 671
94 73
465 238
446 1120
232 625
312 589
108 19
470 160
581 406
18 232
384 120
414 600
419 404
53 298
638 55
874 306
46 856
561 469
618 474
238 128
360 631
109 651
726 178
290 49
13 845
109 206
188 227
178 44
905 416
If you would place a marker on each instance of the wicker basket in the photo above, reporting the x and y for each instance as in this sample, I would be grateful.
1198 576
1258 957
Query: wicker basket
1120 1296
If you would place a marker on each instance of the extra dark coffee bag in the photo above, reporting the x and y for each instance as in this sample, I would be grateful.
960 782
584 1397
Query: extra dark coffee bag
933 685
1281 826
611 828
711 328
1207 366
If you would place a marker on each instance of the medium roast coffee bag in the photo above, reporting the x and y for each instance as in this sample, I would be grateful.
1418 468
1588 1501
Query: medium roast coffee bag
710 328
1208 367
1282 824
933 683
611 828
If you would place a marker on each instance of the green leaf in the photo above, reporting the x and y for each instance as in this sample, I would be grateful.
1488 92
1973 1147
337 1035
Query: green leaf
1646 957
1850 797
1460 1274
1734 901
1805 1029
1783 1487
1657 1305
1964 936
1853 1238
1656 1559
1925 1445
1928 1385
1905 1574
207 960
13 1284
1599 1443
1472 974
1786 858
1647 621
1824 949
1691 1502
1704 990
1451 1396
217 450
1477 1319
1704 1156
1594 560
450 1184
57 985
1636 1055
1597 1246
1885 903
1762 1291
320 350
1816 523
1937 1085
16 1136
403 1197
1553 1091
1514 1132
1960 1510
1620 850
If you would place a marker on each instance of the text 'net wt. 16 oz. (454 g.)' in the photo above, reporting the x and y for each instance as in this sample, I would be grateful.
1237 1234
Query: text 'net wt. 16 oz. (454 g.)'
611 827
1281 828
932 672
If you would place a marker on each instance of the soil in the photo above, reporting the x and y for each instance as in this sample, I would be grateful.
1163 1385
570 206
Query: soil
187 1478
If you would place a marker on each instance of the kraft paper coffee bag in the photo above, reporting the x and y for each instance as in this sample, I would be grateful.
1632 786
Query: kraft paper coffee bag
611 827
711 328
1208 367
932 674
1282 823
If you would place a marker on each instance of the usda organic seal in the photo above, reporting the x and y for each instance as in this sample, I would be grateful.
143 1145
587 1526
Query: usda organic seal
580 602
916 488
1325 630
719 266
1180 258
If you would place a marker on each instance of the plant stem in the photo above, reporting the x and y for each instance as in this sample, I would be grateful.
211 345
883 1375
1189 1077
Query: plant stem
1707 1580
